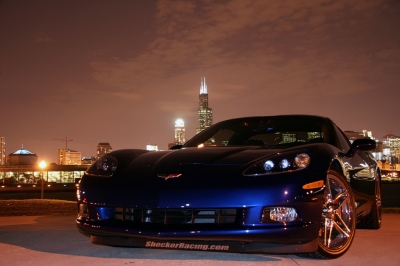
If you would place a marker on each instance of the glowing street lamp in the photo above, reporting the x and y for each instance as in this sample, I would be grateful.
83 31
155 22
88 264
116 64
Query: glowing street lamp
42 165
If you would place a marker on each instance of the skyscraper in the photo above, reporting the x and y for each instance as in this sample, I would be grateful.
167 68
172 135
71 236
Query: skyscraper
180 131
179 138
204 112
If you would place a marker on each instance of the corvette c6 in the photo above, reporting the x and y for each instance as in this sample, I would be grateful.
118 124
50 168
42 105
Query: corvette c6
272 184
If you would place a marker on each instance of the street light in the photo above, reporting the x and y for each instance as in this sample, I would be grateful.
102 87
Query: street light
42 165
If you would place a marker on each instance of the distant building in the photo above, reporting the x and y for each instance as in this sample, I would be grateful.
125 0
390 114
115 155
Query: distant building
103 148
88 160
2 150
353 135
152 147
387 151
391 150
30 175
180 131
22 157
69 157
179 138
205 116
23 170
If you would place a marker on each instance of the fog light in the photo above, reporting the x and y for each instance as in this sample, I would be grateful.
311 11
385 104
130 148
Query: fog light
83 211
279 214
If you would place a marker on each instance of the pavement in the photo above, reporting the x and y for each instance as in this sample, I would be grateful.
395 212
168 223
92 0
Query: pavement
61 195
54 240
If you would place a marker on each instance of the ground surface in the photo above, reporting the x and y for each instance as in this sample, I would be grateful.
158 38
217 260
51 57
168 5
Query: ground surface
55 241
37 207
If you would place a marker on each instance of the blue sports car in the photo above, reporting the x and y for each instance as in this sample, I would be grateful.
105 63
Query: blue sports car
273 184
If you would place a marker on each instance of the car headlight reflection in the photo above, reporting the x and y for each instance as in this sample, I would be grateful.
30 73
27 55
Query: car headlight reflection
105 166
279 163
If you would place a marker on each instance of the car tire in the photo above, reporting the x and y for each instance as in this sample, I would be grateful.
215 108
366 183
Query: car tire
338 220
374 219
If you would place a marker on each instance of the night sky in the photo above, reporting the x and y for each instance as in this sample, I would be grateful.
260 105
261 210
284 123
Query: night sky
123 71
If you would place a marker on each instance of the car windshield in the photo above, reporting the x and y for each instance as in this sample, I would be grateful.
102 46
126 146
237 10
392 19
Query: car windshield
263 131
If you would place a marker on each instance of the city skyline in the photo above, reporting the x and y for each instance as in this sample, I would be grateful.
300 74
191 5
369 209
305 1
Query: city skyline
127 71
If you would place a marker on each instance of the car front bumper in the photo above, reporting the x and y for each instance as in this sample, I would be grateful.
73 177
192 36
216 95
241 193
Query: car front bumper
120 215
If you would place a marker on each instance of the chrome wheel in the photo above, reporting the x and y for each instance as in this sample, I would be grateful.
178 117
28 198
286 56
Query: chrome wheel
338 221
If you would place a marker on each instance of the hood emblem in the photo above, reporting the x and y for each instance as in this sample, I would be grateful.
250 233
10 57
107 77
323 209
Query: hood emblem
168 176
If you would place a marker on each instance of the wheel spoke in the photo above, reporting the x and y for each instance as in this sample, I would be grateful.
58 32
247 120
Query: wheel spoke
344 204
328 190
328 232
344 231
338 196
344 223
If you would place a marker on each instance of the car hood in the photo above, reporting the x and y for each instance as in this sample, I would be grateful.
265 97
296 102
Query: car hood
195 176
196 160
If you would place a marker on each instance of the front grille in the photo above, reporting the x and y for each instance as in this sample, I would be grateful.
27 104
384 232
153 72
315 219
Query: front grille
176 216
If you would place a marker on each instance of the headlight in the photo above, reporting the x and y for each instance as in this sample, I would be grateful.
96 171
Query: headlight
105 166
279 163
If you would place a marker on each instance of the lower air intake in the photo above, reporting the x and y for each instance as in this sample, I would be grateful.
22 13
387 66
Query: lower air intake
176 216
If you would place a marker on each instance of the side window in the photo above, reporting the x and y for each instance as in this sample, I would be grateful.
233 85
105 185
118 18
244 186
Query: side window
343 140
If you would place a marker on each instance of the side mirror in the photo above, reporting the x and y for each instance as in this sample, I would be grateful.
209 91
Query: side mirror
361 145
